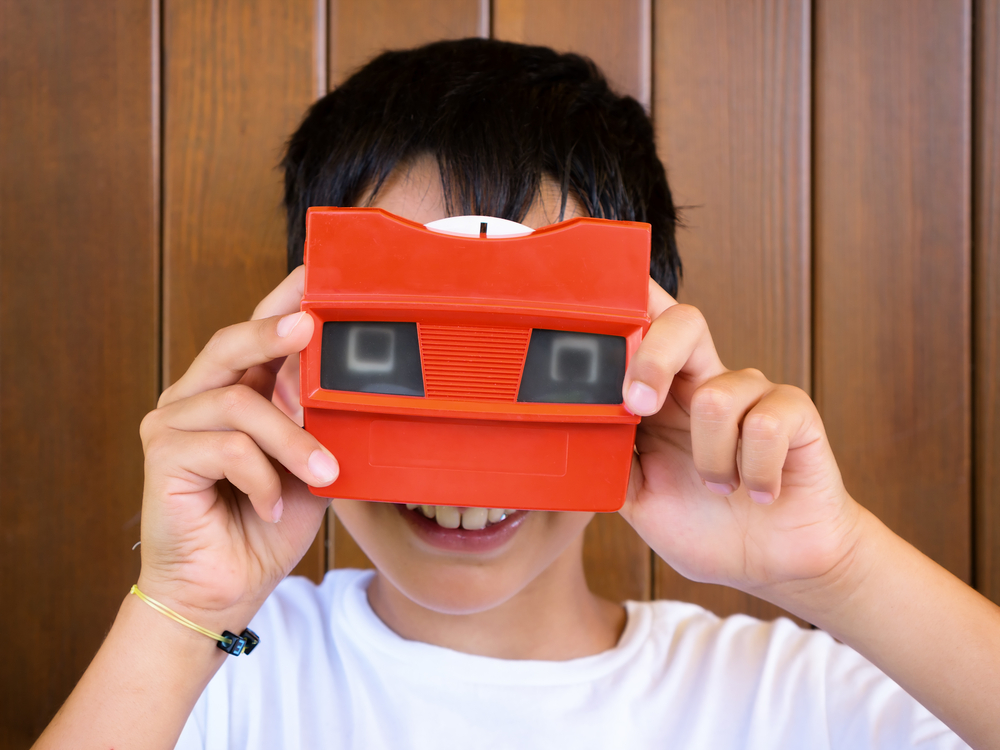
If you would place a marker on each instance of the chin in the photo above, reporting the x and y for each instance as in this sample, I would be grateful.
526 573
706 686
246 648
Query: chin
455 589
459 571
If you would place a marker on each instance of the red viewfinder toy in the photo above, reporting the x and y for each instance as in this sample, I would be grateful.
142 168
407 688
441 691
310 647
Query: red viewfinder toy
473 368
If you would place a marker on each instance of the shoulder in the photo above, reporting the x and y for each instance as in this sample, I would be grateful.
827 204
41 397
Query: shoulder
698 629
780 670
753 650
742 657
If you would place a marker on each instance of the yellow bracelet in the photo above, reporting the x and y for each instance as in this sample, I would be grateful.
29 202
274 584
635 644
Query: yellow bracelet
232 644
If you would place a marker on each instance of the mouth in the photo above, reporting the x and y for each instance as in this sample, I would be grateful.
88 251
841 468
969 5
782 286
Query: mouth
463 529
471 519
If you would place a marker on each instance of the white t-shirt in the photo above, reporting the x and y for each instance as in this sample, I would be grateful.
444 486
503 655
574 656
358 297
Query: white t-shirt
329 674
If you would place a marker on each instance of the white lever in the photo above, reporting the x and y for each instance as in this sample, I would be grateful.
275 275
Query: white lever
478 226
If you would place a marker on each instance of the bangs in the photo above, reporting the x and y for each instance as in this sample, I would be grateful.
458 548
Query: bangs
498 118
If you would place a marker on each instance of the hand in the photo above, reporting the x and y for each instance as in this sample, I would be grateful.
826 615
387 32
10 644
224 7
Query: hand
733 481
222 521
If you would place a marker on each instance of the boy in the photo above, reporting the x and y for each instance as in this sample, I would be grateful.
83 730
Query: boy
473 632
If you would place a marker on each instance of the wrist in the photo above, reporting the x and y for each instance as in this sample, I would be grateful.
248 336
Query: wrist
187 648
214 613
825 599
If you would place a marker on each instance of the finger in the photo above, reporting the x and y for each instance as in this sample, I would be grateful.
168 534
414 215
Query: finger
239 408
200 458
718 408
234 350
285 298
677 345
780 419
657 300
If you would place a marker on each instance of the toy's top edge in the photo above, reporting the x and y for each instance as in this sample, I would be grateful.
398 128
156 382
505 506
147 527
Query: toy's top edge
582 261
548 229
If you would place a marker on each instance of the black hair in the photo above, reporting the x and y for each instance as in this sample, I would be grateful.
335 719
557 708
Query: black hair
497 116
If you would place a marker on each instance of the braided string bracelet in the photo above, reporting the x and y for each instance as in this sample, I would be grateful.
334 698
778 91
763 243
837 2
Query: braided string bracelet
232 644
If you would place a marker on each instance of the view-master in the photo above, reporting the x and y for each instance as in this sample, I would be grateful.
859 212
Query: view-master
473 362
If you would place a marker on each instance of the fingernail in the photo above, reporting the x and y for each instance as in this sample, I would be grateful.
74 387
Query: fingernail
720 489
641 399
287 324
761 498
323 466
277 510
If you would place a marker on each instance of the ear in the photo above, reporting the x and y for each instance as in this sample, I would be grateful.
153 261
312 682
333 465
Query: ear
286 390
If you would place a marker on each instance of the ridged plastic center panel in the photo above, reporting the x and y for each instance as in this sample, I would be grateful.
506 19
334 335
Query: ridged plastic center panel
468 363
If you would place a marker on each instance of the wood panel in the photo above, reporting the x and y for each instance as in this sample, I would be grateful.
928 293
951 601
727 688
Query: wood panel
360 29
731 106
987 296
238 77
617 37
892 255
345 551
78 320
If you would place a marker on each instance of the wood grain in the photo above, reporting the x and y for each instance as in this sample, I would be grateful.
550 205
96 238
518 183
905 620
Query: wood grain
78 322
238 77
986 242
731 107
345 551
617 36
615 560
892 258
360 29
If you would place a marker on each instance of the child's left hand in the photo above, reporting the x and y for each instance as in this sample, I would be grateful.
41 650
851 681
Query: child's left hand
734 481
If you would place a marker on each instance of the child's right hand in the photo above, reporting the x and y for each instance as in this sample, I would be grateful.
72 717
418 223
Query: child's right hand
215 490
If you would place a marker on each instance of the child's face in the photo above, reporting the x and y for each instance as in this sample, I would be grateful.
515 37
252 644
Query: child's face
459 571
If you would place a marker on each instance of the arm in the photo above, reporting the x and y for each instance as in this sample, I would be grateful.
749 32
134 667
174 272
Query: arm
935 636
141 686
734 483
212 545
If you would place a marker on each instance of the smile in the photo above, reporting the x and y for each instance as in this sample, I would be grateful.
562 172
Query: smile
463 530
450 517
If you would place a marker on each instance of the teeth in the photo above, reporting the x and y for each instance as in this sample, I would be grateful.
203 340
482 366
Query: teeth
474 518
448 516
451 517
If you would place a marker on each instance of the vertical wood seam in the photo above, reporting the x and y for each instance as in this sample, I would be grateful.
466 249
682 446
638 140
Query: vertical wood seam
646 54
486 19
973 301
158 118
321 36
811 217
970 62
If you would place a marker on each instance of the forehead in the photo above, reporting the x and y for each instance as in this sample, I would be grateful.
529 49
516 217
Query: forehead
414 191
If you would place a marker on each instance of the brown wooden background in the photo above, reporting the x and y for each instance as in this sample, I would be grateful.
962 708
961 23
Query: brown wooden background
840 161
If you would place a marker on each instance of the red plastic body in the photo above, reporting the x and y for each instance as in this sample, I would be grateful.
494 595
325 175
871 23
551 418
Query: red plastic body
468 442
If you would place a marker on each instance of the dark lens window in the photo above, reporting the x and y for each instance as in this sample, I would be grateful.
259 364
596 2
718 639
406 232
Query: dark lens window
575 359
563 367
371 358
370 349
